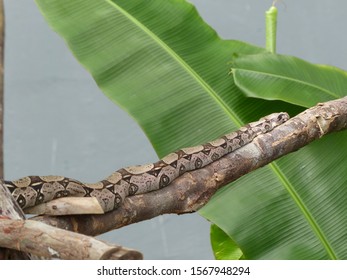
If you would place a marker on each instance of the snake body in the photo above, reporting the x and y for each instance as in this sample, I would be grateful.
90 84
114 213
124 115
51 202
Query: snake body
110 192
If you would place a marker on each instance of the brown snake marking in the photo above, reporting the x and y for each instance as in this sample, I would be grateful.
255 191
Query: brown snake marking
110 192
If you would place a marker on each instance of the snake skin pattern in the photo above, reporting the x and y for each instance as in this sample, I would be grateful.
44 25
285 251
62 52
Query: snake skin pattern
110 192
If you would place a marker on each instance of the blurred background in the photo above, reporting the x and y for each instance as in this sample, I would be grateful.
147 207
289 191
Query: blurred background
57 122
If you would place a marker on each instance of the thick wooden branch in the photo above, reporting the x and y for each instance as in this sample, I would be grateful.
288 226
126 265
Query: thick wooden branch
49 242
193 190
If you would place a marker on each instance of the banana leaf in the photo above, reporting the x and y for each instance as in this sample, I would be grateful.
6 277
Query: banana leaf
159 61
224 248
287 78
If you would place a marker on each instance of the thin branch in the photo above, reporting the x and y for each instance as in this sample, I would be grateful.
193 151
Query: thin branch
8 206
193 190
2 41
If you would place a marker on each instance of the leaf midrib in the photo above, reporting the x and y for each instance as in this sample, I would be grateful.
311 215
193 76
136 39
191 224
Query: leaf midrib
301 205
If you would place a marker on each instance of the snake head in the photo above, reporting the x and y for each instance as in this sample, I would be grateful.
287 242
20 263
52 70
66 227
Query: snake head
276 119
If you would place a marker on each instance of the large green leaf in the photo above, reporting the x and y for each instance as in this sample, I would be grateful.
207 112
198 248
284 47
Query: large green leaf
278 77
159 62
168 69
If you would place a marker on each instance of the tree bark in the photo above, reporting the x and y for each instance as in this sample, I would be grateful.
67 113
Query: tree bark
53 243
2 40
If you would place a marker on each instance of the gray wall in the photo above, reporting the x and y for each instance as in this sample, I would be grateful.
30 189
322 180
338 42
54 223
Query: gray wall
58 122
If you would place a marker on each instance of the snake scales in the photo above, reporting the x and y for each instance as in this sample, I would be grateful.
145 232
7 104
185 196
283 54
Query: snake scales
110 192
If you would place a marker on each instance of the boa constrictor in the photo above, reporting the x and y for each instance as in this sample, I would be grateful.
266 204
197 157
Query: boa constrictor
110 192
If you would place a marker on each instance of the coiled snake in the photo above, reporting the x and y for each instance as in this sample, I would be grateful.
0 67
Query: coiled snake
110 192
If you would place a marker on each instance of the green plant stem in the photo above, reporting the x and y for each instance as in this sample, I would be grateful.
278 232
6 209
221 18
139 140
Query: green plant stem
271 29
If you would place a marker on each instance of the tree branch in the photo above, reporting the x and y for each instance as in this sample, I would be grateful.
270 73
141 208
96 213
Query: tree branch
2 36
41 240
193 190
50 242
